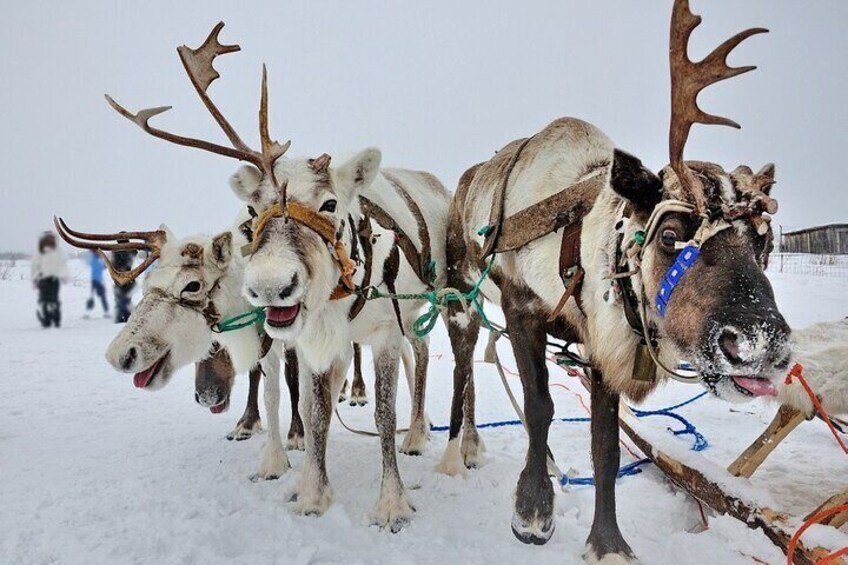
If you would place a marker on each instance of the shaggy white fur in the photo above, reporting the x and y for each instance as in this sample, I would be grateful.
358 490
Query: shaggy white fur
293 270
822 349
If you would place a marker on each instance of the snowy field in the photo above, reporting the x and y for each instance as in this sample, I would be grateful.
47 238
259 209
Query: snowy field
96 471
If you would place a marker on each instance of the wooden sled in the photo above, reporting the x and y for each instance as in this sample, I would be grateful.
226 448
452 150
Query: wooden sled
775 525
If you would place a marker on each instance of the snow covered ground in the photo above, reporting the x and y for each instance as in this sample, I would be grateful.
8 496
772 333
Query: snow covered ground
96 471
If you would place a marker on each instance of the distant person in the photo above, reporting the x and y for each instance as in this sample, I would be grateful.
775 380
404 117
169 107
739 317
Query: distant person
122 261
48 270
96 266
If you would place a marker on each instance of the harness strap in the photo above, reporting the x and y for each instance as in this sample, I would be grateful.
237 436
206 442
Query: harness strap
364 236
498 201
424 269
410 252
390 273
563 209
321 226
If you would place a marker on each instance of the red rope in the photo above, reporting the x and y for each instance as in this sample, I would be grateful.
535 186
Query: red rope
814 519
798 373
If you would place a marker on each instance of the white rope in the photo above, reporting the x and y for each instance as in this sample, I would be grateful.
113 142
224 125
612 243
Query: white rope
491 349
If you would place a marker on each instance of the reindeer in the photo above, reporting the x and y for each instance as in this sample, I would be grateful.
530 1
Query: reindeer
337 216
662 267
195 284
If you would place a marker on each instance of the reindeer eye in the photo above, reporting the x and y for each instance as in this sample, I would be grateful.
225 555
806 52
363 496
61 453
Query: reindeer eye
328 206
669 237
192 287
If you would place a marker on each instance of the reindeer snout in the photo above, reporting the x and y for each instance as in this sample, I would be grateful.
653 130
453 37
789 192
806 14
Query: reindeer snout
123 358
209 397
273 291
760 347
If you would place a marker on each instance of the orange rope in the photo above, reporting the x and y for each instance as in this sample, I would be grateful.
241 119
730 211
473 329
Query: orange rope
798 373
790 550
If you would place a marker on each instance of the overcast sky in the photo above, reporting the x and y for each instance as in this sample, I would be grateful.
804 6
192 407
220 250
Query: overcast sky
437 85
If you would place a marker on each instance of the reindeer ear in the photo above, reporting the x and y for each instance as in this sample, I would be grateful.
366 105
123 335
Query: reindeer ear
634 182
169 235
222 249
357 173
768 172
245 182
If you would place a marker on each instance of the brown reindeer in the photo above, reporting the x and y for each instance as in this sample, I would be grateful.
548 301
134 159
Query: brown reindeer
661 268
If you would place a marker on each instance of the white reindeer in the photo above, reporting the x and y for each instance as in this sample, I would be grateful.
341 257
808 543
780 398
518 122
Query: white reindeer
195 283
291 260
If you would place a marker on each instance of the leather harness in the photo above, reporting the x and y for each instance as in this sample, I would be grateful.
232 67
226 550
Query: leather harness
563 210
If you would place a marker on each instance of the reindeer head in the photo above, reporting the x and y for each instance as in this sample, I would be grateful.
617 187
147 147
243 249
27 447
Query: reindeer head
171 326
297 261
701 237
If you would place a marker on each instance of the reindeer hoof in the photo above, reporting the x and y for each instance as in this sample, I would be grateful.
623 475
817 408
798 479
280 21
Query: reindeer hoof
393 514
256 477
295 443
357 400
245 430
532 533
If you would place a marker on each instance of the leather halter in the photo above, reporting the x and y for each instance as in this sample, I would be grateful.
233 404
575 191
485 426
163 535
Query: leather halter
325 229
205 306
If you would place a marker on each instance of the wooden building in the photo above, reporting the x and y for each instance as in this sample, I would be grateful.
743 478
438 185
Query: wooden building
821 240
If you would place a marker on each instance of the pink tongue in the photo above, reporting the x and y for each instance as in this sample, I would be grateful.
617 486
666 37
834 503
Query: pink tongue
757 387
284 314
142 379
219 408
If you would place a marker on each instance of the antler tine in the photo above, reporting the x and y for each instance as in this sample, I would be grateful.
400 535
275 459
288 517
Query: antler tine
152 238
689 78
271 150
141 120
123 278
198 65
152 241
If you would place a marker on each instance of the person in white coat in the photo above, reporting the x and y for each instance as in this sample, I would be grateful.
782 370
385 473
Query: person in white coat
49 270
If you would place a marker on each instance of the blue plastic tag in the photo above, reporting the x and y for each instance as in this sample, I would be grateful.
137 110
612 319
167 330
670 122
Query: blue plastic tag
684 260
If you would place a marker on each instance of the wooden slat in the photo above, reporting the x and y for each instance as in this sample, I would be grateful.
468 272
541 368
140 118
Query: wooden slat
786 420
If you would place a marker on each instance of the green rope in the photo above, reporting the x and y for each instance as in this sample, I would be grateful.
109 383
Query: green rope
240 321
438 300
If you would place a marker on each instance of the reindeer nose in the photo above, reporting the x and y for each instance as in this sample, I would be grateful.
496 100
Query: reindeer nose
273 291
127 360
765 345
728 342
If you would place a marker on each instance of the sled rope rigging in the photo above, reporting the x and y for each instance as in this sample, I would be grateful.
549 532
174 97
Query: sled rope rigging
797 372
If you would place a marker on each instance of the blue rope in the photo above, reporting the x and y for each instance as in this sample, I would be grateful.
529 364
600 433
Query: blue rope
634 468
626 471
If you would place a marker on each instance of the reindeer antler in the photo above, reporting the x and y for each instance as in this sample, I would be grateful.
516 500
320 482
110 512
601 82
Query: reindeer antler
151 241
687 80
198 64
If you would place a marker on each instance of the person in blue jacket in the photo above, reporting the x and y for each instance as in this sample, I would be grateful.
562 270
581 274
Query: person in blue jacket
96 266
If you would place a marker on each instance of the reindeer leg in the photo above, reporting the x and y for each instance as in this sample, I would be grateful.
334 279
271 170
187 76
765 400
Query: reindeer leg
605 542
393 508
533 520
472 444
314 493
463 329
274 462
294 440
250 422
358 394
419 429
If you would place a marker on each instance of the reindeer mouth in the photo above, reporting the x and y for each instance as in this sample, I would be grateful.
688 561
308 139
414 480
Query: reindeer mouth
754 386
281 316
145 377
220 408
